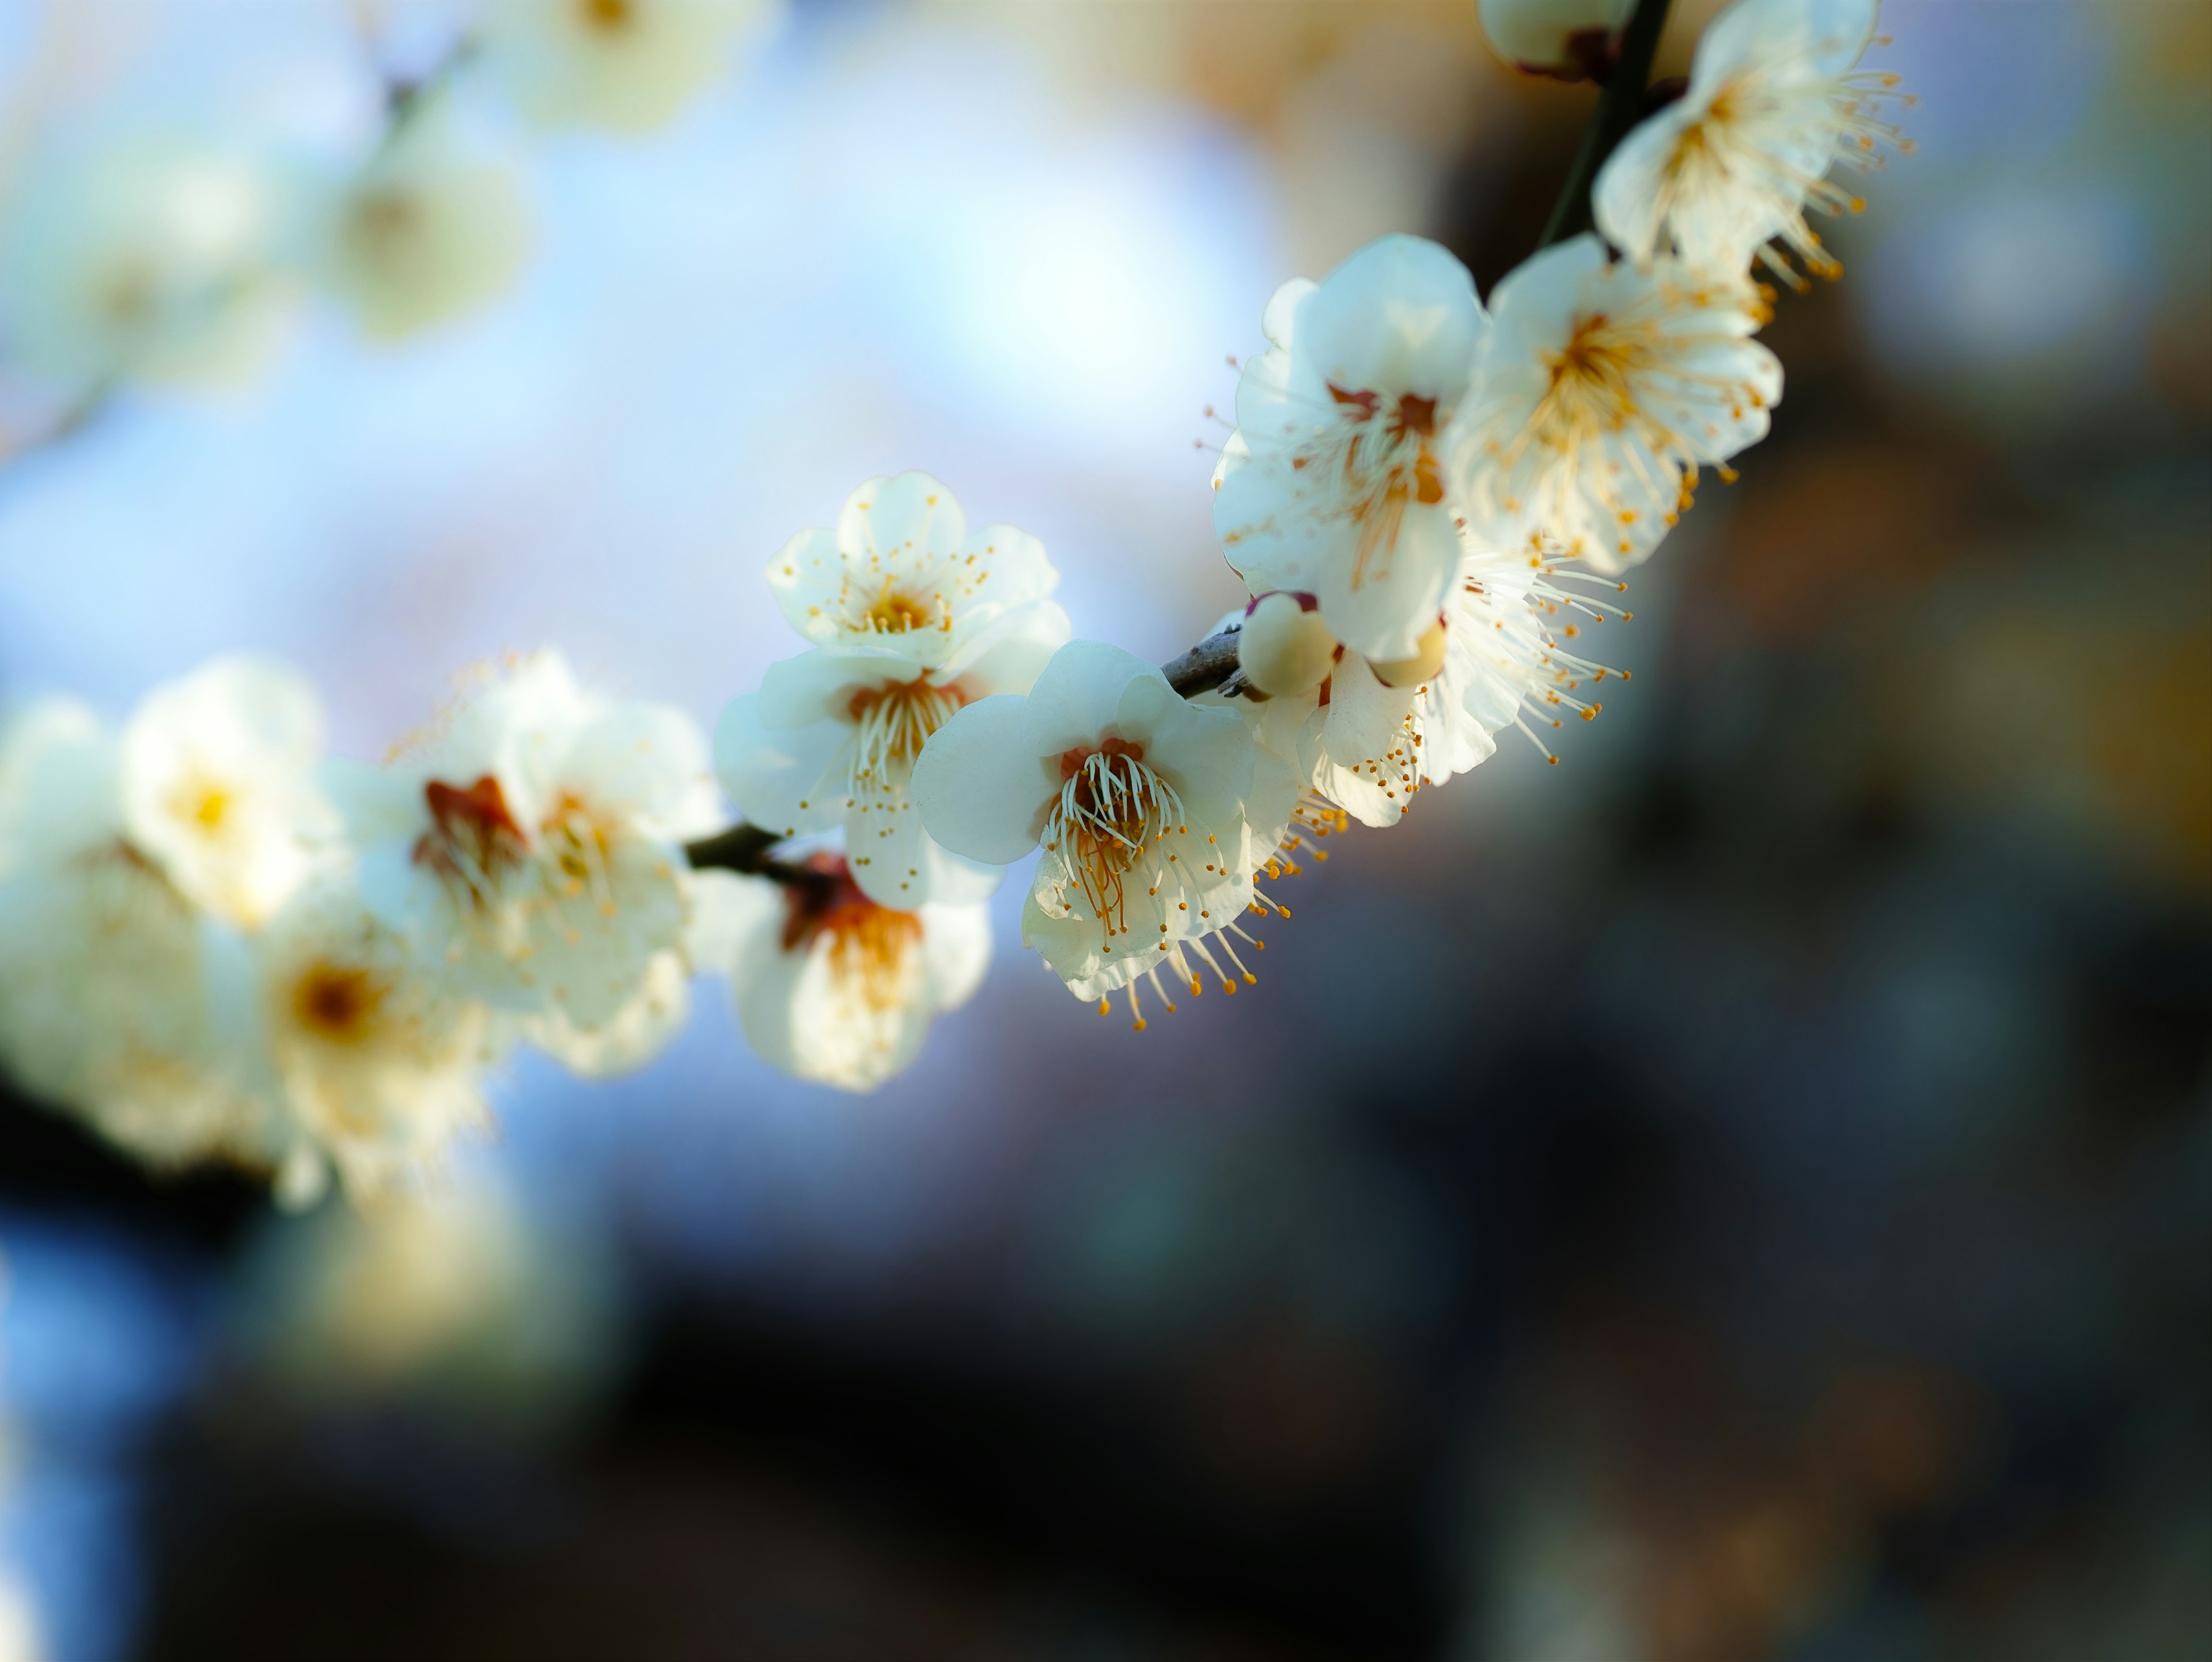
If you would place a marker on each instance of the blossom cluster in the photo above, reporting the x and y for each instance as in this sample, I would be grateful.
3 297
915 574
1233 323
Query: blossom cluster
212 942
133 250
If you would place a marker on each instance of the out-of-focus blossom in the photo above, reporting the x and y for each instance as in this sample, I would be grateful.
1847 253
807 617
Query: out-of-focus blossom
150 257
218 785
914 617
1602 389
1570 40
1333 483
1775 100
428 230
375 1064
829 985
532 850
111 984
626 65
452 1298
1154 814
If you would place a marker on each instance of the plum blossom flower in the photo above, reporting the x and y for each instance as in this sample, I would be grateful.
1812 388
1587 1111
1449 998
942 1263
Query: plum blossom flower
425 231
1333 483
532 850
1603 389
829 985
914 618
144 256
218 782
624 65
1365 739
1567 39
1154 814
118 999
1775 100
374 1064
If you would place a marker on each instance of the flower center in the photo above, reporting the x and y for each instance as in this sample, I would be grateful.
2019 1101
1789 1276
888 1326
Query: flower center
894 613
337 1002
581 845
608 14
1111 809
871 946
1378 460
1593 381
202 804
473 837
894 723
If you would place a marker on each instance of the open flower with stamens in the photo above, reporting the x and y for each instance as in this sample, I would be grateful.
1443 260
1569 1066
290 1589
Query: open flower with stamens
1367 746
624 66
1603 389
1776 99
116 996
1333 483
1154 814
829 985
374 1064
534 852
218 785
916 618
430 228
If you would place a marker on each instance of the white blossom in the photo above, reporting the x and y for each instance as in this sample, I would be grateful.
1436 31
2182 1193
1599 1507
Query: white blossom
1366 742
624 66
118 1000
1284 647
1570 40
426 230
831 986
1775 100
533 849
219 786
147 256
1333 483
374 1065
1154 814
1603 389
914 617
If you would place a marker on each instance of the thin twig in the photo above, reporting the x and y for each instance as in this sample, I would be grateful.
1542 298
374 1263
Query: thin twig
1619 109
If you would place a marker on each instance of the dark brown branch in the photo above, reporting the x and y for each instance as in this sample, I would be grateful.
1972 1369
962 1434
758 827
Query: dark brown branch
1619 109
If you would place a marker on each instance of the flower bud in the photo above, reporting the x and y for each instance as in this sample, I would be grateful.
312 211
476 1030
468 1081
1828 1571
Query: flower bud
1285 649
1423 665
1568 40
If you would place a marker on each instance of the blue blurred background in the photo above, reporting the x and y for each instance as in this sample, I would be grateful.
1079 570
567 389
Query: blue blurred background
1746 1192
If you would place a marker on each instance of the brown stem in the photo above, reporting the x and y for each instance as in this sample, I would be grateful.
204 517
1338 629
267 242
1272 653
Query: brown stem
1619 109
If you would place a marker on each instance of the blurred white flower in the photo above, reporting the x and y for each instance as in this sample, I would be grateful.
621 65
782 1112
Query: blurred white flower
149 257
454 1298
1774 100
428 230
1154 814
916 618
1570 40
831 986
532 850
219 785
626 65
375 1064
1603 389
117 1000
1333 483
